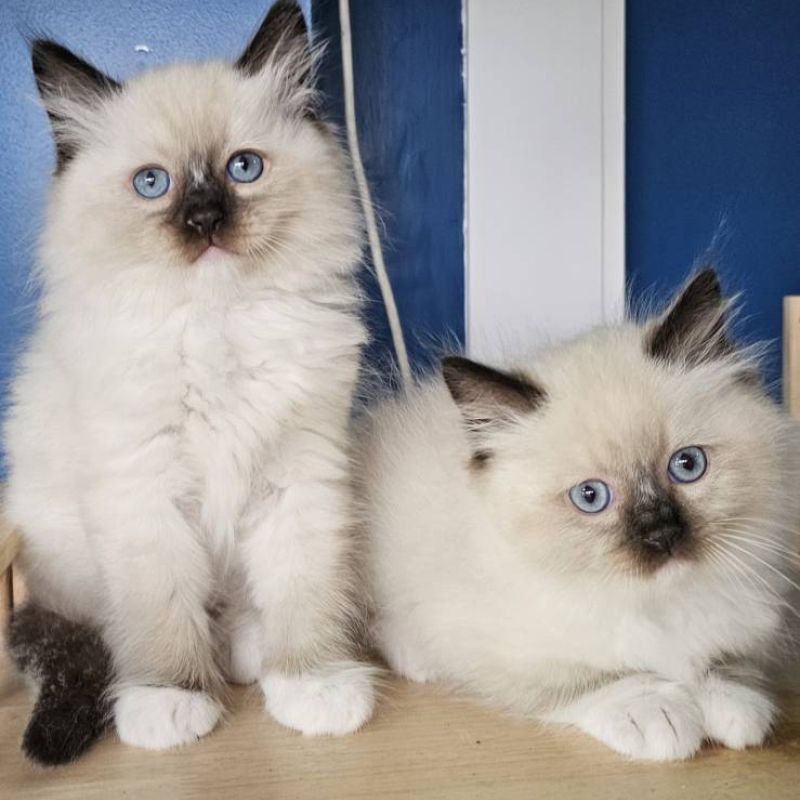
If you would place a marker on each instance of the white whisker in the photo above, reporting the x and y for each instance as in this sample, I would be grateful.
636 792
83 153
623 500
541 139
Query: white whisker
763 522
765 544
766 564
747 572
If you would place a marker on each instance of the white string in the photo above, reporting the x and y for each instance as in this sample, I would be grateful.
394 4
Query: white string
366 201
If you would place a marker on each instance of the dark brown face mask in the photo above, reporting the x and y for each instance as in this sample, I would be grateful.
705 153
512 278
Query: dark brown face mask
204 213
655 526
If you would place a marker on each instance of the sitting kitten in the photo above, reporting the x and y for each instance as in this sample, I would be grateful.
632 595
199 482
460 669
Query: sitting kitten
178 436
599 538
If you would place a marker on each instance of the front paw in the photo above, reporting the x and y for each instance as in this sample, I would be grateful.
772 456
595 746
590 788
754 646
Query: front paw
646 720
735 715
333 701
160 717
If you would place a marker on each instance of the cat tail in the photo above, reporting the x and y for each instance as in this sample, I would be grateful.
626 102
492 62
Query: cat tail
71 666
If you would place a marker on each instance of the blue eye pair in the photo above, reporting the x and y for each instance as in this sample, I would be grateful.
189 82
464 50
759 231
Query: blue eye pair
153 182
686 465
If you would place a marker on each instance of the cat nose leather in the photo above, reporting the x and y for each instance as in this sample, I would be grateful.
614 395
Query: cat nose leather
205 220
664 539
661 526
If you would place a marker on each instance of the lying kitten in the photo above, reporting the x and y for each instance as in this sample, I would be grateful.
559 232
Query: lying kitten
599 538
177 441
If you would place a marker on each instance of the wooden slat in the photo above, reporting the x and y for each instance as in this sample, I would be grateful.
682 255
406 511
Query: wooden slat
9 545
791 354
6 595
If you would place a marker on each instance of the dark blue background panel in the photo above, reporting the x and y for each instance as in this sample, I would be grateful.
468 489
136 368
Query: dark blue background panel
713 125
410 106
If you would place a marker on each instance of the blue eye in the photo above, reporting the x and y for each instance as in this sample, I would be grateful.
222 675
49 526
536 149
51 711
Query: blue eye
591 497
245 167
151 182
688 464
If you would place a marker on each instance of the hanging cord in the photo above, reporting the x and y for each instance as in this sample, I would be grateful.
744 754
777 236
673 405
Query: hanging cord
366 201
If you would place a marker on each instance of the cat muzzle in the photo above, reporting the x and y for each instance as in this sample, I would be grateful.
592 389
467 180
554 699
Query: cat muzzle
656 525
204 210
205 221
664 540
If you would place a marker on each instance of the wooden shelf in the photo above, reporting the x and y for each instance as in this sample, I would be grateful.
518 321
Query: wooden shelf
423 743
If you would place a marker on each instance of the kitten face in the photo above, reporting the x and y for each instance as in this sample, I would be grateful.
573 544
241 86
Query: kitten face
192 122
198 167
642 460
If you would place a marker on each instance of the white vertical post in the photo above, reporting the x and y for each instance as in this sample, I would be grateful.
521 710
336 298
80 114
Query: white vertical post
613 100
545 169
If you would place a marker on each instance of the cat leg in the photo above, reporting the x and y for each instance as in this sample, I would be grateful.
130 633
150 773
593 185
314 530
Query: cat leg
298 560
157 578
735 715
399 641
242 637
640 716
246 648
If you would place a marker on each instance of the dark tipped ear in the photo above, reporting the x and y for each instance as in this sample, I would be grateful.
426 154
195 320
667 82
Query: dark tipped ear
68 86
694 328
488 398
283 35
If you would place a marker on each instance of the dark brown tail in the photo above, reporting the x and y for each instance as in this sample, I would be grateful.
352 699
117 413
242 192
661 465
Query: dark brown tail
72 667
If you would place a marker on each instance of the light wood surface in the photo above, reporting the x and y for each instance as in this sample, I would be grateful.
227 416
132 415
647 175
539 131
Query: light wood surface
423 743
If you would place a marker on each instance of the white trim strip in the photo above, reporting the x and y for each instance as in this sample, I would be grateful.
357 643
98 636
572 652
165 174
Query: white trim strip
613 159
545 199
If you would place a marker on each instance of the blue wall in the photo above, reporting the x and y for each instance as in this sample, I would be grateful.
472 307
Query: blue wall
410 105
713 135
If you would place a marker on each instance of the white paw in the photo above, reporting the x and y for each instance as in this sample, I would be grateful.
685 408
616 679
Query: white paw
409 669
641 718
158 717
333 701
246 660
402 657
735 715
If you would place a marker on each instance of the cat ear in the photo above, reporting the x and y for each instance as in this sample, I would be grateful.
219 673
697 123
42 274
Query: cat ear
489 398
694 327
282 43
69 88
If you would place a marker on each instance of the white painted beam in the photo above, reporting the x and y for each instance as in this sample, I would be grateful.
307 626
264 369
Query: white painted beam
545 169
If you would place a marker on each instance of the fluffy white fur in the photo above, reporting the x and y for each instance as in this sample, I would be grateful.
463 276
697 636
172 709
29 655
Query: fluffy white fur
177 440
484 576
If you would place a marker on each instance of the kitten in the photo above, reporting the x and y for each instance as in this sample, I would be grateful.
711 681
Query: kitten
601 537
177 441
